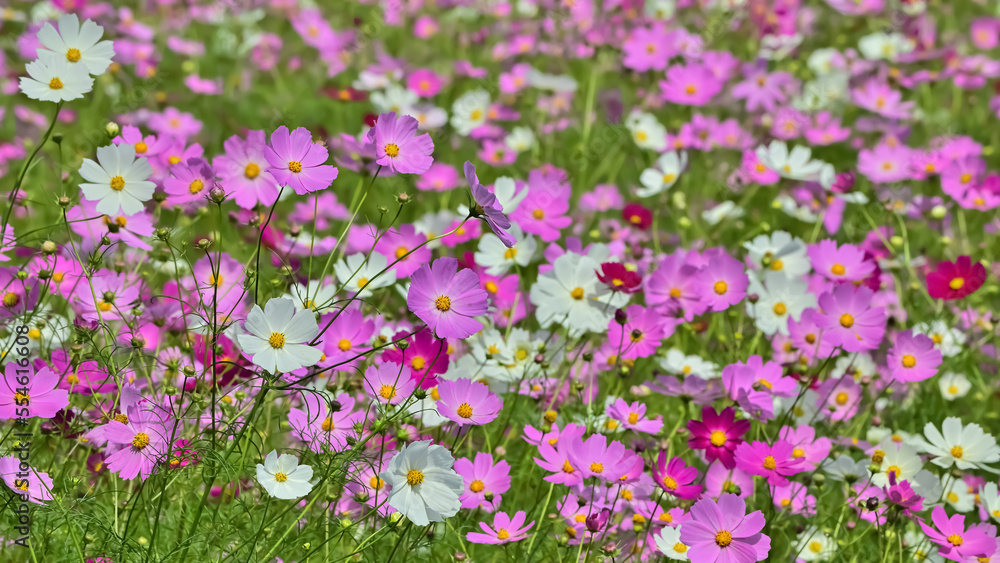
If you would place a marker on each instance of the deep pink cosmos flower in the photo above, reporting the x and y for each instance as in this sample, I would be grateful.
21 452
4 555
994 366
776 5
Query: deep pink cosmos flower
807 445
902 494
722 283
389 383
398 147
465 401
486 206
954 541
86 378
505 529
776 462
723 532
690 85
718 434
913 358
426 356
848 319
955 280
448 299
637 215
543 211
27 395
618 278
484 481
296 161
675 477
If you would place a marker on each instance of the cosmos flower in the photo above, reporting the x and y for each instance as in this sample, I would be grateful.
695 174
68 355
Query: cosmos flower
504 530
675 477
277 337
718 433
55 79
447 299
398 148
954 541
425 487
723 532
968 447
955 280
296 161
913 357
488 207
465 401
282 476
78 44
31 484
120 183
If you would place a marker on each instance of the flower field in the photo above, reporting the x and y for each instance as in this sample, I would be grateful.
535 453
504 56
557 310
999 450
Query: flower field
500 281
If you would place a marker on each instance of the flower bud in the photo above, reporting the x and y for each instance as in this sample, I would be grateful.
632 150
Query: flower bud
112 129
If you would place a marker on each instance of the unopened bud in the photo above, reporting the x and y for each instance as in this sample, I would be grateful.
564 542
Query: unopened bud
403 198
939 211
217 194
621 317
112 129
878 456
49 247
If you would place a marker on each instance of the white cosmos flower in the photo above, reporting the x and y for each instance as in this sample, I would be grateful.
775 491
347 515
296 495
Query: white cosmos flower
668 542
278 335
721 212
797 165
505 189
120 183
948 339
54 79
968 447
857 365
679 363
429 117
358 275
782 298
647 131
954 386
519 140
496 258
470 111
425 486
395 98
77 44
570 294
990 497
901 459
814 545
779 252
844 468
282 476
959 497
668 169
884 46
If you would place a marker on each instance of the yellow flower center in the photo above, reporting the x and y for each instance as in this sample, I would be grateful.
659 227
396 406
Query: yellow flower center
720 287
577 293
894 470
141 440
667 178
955 540
418 363
477 486
777 265
442 303
717 438
596 467
327 424
633 418
73 55
401 251
841 398
118 183
376 483
344 345
723 538
846 320
362 283
280 477
838 269
141 148
956 284
55 84
769 463
251 171
196 186
538 214
414 477
956 452
567 468
909 361
387 392
276 340
510 253
464 410
295 166
669 483
491 287
780 309
503 534
798 453
391 150
952 390
680 548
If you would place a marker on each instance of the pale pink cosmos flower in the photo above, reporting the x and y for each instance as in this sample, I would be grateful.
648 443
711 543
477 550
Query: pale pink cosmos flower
296 161
505 529
448 299
465 401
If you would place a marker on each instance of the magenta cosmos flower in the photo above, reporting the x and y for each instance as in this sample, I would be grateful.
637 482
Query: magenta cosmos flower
722 283
718 434
397 146
913 358
465 401
389 383
27 395
848 320
723 532
143 444
31 484
690 85
487 207
955 280
954 541
484 481
505 529
446 299
296 161
676 478
775 462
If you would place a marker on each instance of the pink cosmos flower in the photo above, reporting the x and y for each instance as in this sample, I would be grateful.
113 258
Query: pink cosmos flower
722 283
389 383
505 529
913 358
447 299
487 207
846 263
642 333
776 462
954 541
807 446
849 321
425 82
324 425
26 395
718 434
690 85
885 163
189 181
465 401
400 248
86 378
242 171
347 337
595 457
722 532
876 96
839 398
32 485
647 48
633 417
296 161
555 455
720 480
763 90
397 146
543 211
675 477
143 443
795 498
440 177
484 481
